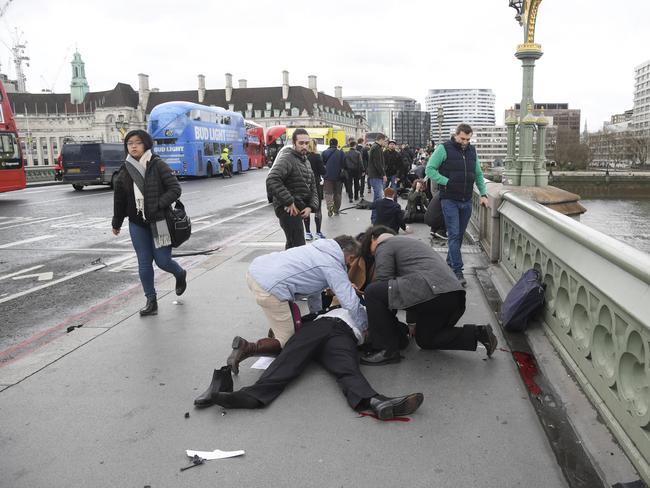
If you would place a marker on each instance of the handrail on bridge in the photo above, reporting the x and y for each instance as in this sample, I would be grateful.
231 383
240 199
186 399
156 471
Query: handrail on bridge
635 262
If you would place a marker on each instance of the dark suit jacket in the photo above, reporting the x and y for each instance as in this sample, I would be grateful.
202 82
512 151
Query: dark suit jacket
389 213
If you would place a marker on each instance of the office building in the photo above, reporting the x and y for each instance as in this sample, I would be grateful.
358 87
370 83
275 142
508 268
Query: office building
450 107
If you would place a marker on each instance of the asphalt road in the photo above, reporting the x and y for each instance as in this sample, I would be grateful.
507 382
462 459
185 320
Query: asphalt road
58 256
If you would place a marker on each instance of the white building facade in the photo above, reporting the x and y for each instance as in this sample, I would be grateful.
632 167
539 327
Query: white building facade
450 107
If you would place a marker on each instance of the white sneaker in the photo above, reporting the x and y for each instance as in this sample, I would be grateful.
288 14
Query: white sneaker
309 236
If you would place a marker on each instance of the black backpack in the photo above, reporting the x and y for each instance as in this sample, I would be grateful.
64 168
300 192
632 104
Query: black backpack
523 302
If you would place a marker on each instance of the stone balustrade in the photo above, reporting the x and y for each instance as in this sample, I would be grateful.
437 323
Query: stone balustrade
597 311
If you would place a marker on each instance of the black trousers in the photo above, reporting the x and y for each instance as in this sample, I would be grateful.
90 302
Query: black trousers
352 185
292 227
434 321
330 342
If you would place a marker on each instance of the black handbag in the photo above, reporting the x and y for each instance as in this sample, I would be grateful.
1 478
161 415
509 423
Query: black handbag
179 223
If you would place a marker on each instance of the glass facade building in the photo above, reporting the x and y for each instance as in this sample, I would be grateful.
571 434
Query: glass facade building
400 118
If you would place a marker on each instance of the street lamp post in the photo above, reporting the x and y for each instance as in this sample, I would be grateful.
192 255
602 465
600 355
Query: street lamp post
121 126
525 169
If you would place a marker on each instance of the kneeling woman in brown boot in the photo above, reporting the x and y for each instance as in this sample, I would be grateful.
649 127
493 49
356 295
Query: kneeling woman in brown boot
276 279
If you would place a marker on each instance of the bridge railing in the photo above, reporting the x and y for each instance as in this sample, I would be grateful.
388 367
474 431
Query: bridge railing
597 311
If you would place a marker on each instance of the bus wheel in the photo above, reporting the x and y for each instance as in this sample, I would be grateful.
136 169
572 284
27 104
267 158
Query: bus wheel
210 171
78 187
239 168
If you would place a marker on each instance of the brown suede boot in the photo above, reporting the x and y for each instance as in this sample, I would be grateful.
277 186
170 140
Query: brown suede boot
242 349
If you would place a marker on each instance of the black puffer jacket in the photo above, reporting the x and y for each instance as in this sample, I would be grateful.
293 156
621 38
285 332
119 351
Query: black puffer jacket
161 189
291 181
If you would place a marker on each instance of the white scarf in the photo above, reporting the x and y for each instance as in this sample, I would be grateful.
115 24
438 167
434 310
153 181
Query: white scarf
159 229
141 166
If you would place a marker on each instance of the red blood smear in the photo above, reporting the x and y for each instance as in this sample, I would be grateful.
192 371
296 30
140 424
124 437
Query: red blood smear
394 419
527 370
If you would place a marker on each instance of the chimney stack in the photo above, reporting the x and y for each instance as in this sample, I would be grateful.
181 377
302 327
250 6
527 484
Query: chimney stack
143 90
285 85
201 88
228 87
338 93
312 85
243 83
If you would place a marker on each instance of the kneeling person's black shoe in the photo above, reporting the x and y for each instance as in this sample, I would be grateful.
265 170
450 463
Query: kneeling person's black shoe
485 336
151 308
221 382
387 408
377 358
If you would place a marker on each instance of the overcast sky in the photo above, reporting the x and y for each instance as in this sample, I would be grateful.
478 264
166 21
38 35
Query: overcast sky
375 47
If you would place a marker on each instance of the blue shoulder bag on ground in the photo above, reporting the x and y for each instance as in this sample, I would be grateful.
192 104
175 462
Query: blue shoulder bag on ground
523 302
179 223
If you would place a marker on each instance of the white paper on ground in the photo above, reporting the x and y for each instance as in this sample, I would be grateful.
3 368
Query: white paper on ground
263 362
216 454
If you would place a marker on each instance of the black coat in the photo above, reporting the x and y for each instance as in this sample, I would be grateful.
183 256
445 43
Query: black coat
292 181
161 189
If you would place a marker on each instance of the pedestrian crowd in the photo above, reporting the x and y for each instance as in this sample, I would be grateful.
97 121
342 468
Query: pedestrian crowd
354 285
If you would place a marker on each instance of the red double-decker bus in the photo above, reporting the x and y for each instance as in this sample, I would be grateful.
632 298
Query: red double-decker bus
255 147
12 166
276 138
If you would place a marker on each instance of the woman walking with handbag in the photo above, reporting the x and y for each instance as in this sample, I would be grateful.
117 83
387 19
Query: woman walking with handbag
144 190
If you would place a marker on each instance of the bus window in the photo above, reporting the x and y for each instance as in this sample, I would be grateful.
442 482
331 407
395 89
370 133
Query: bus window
164 141
226 120
217 148
195 115
207 149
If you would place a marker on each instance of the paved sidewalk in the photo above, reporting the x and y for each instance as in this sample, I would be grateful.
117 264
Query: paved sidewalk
111 413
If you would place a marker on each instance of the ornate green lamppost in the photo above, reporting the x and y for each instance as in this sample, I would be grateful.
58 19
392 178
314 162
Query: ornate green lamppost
523 169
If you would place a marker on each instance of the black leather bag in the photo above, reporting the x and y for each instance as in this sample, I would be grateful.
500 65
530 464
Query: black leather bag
179 223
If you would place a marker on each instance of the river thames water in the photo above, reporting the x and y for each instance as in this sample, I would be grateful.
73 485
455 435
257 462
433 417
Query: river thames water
625 220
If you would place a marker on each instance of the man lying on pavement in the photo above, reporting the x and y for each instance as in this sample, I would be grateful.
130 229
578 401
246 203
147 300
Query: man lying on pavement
331 339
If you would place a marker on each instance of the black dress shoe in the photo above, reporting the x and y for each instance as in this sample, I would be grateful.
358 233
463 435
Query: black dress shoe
380 357
221 382
387 408
181 283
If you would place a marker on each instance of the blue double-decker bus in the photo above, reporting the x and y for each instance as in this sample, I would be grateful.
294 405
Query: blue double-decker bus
191 138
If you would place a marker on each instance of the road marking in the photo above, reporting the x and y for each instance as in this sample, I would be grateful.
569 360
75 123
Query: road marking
65 278
191 192
263 244
251 203
221 221
27 270
236 184
48 275
25 241
89 223
202 218
45 202
40 221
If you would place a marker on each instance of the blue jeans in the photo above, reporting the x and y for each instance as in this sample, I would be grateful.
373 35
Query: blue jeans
392 182
147 253
377 185
457 216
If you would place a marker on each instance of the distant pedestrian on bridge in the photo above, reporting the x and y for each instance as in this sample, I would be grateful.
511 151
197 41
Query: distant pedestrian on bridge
291 186
455 166
145 187
377 171
334 160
